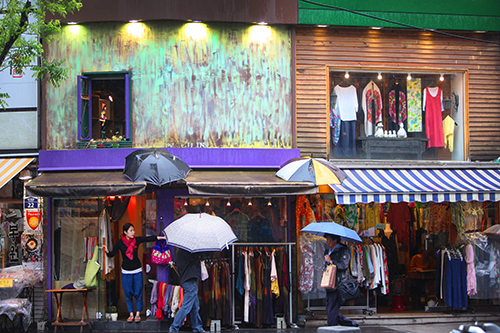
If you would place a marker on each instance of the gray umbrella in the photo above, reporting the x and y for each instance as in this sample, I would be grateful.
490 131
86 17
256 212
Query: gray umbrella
157 167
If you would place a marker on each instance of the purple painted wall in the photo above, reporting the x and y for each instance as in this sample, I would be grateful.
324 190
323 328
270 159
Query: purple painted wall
114 159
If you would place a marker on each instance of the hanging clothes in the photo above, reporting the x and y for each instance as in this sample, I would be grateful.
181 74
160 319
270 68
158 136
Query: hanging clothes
397 106
346 108
372 106
448 132
398 217
433 106
414 101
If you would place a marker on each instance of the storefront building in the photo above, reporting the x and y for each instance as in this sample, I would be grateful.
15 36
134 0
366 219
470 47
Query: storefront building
235 100
364 90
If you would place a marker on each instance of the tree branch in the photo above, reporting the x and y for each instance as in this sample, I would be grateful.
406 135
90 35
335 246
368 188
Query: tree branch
22 28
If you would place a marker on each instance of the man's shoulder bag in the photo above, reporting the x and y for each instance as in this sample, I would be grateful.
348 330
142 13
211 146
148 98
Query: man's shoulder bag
348 290
329 276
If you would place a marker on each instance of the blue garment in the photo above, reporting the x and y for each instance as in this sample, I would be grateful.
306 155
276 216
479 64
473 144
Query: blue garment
191 306
132 287
239 280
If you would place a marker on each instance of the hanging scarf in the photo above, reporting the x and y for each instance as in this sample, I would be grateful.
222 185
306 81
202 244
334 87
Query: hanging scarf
130 244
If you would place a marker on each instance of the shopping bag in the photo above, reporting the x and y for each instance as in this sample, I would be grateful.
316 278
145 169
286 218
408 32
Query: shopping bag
329 275
91 271
348 290
161 254
204 271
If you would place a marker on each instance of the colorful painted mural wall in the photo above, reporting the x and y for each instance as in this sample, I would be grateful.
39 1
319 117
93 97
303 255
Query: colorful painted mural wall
219 85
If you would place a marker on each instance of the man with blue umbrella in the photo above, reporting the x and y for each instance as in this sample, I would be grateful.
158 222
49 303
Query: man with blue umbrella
339 255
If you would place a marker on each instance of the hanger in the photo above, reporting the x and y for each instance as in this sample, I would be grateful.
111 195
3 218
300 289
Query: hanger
236 210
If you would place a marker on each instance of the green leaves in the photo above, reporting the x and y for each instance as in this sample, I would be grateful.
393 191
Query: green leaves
23 27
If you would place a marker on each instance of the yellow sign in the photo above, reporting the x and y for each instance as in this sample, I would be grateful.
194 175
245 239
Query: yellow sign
6 283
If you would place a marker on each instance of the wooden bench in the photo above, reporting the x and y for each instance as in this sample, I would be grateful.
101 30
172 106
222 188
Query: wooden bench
59 321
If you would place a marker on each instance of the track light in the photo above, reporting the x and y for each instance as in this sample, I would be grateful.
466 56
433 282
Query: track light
269 203
379 76
408 77
250 202
346 74
186 202
228 204
207 203
441 78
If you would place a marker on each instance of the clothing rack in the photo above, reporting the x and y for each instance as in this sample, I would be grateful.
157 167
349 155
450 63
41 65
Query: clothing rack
290 292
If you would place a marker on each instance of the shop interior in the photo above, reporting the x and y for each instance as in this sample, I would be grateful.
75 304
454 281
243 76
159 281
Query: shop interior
421 243
388 115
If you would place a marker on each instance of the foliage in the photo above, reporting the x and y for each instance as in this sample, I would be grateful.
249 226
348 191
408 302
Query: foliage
23 27
113 309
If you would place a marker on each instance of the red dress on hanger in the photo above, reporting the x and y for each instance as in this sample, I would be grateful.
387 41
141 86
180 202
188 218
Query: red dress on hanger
433 117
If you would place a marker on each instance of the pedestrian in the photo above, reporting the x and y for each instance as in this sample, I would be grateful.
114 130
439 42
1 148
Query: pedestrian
132 280
339 255
189 269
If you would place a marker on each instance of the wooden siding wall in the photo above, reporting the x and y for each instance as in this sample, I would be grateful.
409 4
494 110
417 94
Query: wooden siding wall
318 49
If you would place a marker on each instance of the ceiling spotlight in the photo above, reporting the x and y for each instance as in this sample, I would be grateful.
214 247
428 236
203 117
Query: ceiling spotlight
250 202
347 75
379 76
207 203
186 203
441 78
133 21
408 77
228 204
269 203
321 25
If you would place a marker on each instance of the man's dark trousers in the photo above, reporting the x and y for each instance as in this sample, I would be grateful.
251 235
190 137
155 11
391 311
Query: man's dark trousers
332 310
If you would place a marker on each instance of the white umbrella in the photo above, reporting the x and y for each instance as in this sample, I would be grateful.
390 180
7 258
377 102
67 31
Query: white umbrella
200 232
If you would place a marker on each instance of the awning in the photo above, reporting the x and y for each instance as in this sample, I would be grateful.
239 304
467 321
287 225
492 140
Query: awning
255 183
83 185
418 184
10 167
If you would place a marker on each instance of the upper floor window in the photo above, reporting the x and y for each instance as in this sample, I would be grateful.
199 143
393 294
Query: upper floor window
104 106
396 115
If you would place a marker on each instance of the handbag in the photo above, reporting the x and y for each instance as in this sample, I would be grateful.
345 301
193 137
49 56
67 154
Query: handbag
91 281
348 290
160 254
329 276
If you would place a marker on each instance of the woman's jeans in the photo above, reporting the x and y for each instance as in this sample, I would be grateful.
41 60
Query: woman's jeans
190 305
132 287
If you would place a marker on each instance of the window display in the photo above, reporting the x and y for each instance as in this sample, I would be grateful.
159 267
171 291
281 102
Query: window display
402 116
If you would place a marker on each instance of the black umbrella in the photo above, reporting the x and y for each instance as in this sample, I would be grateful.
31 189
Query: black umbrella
157 167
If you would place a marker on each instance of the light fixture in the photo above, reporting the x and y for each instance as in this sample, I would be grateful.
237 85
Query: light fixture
479 31
111 197
207 203
133 21
228 204
379 76
110 98
25 175
72 23
409 77
441 78
262 23
376 28
196 30
186 203
250 202
321 25
346 74
269 203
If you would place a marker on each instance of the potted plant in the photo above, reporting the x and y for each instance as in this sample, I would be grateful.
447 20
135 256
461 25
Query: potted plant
116 140
114 313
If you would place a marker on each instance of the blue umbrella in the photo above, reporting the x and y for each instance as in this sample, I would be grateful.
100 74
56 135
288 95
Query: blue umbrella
332 228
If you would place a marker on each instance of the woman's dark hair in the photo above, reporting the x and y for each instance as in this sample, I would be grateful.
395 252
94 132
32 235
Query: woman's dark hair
127 226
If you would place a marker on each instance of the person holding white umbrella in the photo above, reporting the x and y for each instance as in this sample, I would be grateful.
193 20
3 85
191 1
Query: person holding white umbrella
189 269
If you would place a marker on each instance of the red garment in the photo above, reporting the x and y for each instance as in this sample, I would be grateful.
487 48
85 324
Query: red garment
161 299
399 216
130 244
434 119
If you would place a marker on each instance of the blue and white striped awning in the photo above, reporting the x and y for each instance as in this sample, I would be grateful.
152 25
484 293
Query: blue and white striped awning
419 184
